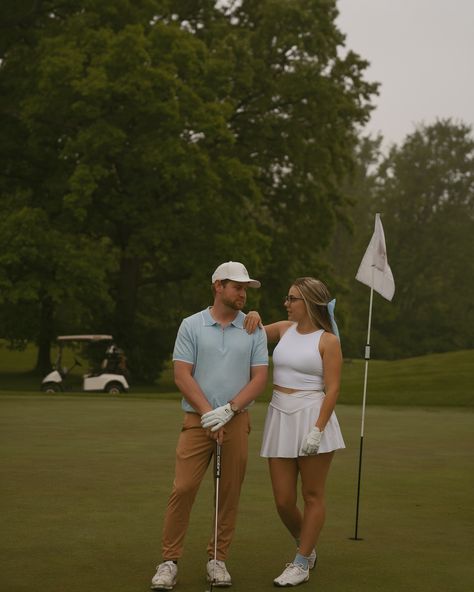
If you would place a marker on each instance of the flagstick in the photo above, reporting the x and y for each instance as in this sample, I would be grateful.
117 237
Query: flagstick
367 358
374 266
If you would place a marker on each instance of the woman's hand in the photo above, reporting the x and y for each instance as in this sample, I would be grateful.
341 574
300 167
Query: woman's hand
312 441
252 321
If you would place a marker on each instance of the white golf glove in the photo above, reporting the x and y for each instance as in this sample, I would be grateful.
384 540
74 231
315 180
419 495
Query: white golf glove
312 442
216 418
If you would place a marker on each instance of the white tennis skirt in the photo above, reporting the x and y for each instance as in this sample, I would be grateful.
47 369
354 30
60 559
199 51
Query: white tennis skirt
290 418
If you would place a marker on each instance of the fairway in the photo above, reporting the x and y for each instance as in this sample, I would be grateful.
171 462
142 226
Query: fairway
85 483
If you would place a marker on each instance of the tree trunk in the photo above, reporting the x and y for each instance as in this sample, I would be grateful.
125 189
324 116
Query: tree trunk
43 360
126 304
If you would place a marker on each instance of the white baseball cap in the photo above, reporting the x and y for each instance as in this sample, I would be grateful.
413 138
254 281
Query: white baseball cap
235 271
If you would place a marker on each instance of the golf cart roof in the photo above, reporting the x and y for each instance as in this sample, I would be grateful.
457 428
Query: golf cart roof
85 338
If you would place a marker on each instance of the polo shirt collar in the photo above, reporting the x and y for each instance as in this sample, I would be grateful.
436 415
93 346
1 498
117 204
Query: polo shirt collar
209 320
207 317
239 320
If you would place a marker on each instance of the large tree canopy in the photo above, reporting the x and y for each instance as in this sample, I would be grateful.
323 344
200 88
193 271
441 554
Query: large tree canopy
296 120
160 138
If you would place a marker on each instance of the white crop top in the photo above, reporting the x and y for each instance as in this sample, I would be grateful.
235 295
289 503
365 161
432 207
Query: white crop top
297 363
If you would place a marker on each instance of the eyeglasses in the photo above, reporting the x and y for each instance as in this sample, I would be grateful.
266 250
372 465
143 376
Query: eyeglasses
292 299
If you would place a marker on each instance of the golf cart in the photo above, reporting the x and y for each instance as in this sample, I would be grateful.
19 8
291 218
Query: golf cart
110 377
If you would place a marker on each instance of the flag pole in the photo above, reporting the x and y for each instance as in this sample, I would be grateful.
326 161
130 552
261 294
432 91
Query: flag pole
367 358
374 271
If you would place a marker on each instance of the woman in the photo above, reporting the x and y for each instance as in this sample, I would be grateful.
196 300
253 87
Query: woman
301 429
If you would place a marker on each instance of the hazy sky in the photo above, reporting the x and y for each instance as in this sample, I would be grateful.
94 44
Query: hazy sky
422 53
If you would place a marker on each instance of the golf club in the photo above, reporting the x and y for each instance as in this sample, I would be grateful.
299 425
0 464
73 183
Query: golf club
218 476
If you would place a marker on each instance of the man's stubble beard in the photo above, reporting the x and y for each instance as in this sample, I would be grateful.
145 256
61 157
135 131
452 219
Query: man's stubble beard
234 304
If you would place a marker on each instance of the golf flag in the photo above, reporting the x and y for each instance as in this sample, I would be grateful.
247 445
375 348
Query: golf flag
374 270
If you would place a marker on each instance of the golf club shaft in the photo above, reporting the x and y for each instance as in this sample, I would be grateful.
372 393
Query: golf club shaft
218 476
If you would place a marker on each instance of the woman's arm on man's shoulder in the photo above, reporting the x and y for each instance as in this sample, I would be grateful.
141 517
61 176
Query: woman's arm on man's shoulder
274 331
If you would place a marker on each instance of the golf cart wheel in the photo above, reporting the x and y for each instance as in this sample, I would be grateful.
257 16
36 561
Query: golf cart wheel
51 387
113 388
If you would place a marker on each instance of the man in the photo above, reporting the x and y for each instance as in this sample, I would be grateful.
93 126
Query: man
220 369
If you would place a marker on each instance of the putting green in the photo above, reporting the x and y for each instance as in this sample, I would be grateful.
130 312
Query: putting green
85 482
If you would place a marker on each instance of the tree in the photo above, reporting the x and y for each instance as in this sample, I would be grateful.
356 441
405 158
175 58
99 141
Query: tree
182 134
48 282
299 102
426 193
424 189
52 275
126 148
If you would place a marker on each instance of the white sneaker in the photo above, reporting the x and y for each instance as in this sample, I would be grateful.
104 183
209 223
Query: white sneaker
217 573
293 575
165 577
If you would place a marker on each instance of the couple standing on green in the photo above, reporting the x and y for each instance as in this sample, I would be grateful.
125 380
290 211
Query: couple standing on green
220 366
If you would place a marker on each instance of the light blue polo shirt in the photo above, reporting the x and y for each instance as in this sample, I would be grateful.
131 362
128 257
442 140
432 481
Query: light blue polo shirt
221 358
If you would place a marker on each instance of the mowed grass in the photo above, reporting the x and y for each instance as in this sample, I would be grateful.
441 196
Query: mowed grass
85 481
432 380
437 379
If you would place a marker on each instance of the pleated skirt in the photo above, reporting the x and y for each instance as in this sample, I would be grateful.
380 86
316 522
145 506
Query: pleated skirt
289 419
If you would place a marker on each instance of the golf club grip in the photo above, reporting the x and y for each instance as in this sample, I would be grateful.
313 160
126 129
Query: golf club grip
218 460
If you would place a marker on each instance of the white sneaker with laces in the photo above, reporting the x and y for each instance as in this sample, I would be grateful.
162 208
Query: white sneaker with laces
217 573
165 577
293 575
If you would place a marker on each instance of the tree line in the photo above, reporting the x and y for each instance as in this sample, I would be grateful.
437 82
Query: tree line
145 142
424 189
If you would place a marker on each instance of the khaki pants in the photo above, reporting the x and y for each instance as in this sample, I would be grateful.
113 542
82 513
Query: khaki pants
193 454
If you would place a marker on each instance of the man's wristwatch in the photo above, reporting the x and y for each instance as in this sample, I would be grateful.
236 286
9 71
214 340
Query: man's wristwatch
234 407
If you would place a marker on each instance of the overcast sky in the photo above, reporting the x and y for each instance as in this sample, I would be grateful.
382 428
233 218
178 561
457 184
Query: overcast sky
422 53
